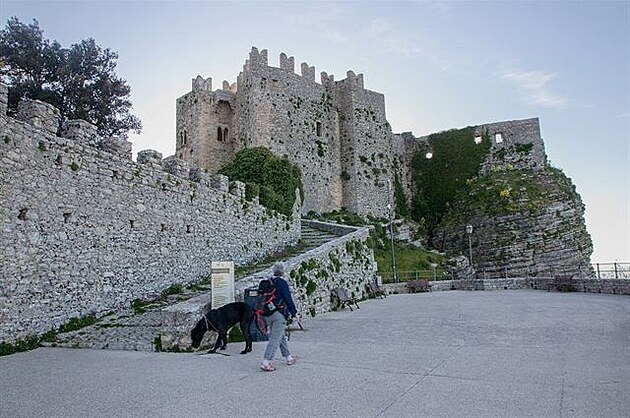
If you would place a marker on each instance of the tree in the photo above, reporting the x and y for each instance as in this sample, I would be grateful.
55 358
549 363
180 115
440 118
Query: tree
79 80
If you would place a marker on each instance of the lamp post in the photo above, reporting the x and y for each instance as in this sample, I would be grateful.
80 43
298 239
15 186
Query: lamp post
391 228
469 231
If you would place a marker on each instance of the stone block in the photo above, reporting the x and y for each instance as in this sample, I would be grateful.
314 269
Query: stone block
39 115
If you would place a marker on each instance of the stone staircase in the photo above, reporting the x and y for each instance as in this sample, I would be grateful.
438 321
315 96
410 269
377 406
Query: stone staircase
129 330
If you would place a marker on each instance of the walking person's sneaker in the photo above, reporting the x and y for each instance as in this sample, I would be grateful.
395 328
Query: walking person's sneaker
291 360
269 367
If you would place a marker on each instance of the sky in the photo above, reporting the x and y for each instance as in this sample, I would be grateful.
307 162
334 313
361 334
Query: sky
440 65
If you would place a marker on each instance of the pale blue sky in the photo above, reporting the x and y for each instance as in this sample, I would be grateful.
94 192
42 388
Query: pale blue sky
441 65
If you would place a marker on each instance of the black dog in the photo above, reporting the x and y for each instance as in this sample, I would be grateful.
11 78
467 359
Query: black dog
221 320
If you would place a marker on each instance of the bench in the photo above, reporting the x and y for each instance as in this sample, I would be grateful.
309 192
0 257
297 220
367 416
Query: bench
374 290
420 285
344 300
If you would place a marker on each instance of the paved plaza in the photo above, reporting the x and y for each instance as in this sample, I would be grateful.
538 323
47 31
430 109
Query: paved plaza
452 354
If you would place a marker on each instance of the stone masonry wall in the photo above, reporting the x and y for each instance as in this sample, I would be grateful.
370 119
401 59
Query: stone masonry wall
335 131
581 284
86 231
346 262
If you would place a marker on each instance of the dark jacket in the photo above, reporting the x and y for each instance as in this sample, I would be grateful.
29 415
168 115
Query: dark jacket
284 296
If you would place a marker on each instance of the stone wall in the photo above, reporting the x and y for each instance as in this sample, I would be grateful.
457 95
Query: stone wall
345 262
87 230
335 131
588 285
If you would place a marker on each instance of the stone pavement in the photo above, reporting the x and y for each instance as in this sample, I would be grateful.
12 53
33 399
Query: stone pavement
452 354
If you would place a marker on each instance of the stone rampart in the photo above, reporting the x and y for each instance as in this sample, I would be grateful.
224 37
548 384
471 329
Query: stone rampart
86 230
345 262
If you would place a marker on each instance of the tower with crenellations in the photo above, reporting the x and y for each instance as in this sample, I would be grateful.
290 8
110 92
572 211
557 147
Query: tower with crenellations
335 131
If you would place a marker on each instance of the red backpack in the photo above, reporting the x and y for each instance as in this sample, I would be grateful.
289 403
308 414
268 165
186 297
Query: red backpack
267 302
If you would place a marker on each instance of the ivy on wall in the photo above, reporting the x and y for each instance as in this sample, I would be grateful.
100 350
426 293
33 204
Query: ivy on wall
274 179
456 158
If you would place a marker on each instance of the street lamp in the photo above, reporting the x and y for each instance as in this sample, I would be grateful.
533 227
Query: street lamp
391 228
469 231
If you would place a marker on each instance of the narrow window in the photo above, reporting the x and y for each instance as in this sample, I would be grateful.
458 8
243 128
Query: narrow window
225 134
498 138
219 134
185 138
318 128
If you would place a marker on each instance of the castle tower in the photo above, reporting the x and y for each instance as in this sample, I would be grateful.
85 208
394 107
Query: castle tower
205 125
334 131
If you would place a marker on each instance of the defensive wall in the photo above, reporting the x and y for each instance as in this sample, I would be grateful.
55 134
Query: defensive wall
345 262
86 230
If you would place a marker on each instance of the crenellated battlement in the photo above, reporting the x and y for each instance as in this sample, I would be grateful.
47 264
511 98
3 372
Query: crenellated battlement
91 229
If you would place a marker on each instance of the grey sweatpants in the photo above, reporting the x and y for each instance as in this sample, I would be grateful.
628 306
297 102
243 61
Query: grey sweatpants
275 329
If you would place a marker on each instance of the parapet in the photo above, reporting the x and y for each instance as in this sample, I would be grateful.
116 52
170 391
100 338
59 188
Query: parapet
326 79
308 72
287 64
356 80
81 132
38 114
149 156
258 58
201 84
118 146
176 166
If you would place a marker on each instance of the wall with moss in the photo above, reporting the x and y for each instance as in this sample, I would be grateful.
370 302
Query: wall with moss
86 230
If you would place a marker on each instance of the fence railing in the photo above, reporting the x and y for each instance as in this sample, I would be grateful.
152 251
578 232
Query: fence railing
612 270
406 276
601 271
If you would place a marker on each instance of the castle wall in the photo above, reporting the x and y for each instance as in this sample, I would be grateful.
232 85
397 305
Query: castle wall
336 132
516 142
87 231
293 116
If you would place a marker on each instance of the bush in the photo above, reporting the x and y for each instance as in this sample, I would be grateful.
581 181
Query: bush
273 179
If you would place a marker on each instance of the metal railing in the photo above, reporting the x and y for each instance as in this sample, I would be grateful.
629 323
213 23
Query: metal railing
600 271
612 270
406 276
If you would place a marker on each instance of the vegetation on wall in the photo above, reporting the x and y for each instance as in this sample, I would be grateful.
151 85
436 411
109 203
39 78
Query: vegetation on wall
273 179
456 158
508 191
400 198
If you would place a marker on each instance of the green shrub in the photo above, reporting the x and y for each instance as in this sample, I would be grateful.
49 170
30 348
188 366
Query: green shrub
272 178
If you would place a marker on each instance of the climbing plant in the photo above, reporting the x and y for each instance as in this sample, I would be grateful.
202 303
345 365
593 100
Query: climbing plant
274 179
456 158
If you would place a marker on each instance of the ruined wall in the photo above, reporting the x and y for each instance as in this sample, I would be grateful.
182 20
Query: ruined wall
87 230
515 143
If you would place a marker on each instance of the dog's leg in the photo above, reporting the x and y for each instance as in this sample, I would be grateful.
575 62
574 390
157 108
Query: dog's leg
224 340
245 327
217 344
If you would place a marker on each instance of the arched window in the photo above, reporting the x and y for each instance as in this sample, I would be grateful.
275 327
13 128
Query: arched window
225 134
219 134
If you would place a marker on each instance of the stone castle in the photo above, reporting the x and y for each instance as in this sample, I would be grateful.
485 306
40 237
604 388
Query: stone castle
338 134
87 230
335 131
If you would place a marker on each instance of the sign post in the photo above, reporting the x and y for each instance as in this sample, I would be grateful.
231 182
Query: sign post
222 283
